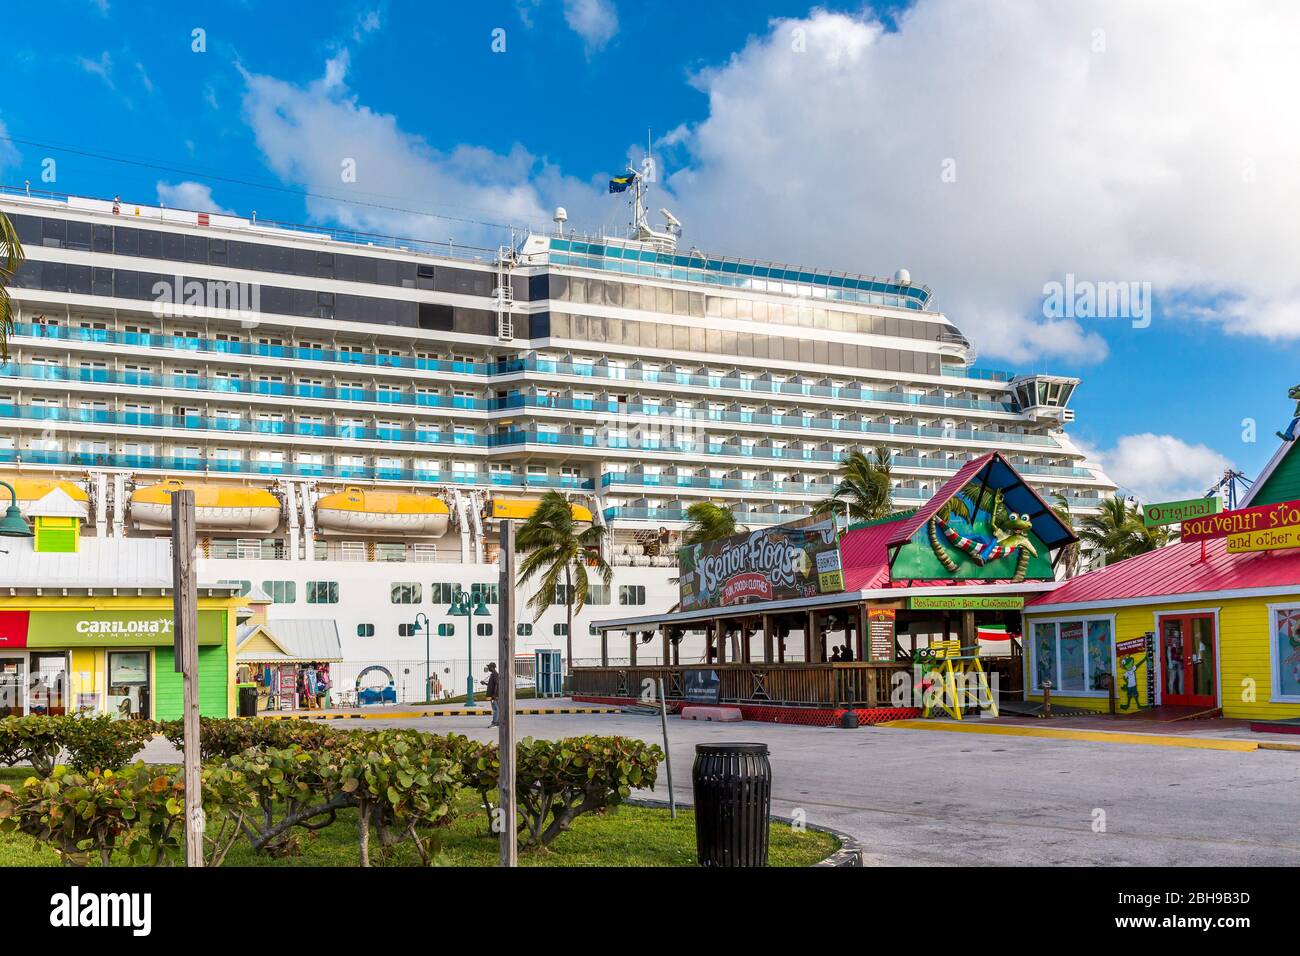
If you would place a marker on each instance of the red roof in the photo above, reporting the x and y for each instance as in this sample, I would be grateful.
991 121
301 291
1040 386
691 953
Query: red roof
1178 570
864 555
903 530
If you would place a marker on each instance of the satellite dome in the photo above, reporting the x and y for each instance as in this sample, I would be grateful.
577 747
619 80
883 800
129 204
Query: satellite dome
903 277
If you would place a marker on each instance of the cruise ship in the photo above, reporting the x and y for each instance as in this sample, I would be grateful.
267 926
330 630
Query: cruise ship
359 414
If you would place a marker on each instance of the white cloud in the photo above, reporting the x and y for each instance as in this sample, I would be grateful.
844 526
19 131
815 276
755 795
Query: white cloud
190 195
367 23
145 81
9 155
315 135
1160 157
102 68
596 21
1159 467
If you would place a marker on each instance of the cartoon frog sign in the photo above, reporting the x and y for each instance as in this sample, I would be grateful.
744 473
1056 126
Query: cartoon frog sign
1293 393
1129 665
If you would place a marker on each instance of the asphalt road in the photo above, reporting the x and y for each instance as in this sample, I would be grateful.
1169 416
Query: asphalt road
928 798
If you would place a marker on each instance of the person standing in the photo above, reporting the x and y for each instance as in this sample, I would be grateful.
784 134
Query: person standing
493 686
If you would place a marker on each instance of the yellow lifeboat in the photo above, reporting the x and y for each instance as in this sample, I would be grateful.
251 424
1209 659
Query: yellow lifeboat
216 507
358 511
521 509
31 490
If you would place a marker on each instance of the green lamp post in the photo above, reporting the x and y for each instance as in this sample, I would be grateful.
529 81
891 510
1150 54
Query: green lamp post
13 525
460 608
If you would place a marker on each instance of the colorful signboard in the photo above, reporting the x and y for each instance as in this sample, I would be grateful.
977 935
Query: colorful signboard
974 535
966 603
13 629
1281 539
86 628
1242 521
1175 512
880 635
772 564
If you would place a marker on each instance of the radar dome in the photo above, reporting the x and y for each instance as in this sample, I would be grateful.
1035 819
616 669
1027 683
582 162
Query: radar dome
903 277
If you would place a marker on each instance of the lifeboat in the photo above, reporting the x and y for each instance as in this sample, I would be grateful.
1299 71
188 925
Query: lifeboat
216 507
358 511
31 490
521 509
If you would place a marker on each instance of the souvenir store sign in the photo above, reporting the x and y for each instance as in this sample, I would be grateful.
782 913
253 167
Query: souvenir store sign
1175 512
1243 521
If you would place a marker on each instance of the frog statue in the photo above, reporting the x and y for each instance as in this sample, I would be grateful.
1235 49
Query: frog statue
1293 393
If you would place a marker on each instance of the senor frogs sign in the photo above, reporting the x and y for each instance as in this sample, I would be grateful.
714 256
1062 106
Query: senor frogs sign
85 628
772 564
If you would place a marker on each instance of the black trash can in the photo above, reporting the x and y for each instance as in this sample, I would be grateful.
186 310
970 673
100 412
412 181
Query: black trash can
246 702
733 798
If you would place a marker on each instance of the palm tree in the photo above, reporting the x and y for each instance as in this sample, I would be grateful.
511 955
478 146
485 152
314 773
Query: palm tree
1118 532
710 521
11 257
863 490
1071 554
557 552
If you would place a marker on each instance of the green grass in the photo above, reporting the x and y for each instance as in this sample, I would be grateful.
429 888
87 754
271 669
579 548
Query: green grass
627 836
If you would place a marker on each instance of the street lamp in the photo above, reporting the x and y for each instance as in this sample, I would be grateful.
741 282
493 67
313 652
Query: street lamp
460 608
13 525
428 631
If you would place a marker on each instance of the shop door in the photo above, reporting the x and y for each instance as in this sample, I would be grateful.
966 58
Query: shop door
12 670
1187 659
47 688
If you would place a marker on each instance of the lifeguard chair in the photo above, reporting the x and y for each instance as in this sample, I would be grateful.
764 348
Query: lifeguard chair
943 661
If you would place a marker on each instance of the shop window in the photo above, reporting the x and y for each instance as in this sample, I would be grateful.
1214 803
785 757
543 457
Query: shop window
1285 647
281 592
631 594
365 630
322 592
485 630
1075 655
523 630
406 593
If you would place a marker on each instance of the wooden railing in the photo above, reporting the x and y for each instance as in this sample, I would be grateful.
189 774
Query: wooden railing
807 685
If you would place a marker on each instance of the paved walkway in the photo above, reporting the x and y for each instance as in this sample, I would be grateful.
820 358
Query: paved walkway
529 707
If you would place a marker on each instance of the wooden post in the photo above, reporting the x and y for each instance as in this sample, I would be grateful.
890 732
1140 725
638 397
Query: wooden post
185 651
509 843
668 760
604 647
631 647
720 637
808 641
677 646
668 646
767 638
860 625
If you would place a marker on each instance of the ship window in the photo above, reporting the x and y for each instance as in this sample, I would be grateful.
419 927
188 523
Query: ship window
322 592
405 630
488 592
443 592
365 630
406 593
281 592
560 630
631 594
485 630
446 630
523 630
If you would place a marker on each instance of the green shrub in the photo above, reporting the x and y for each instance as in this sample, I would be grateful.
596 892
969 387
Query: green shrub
102 743
290 788
226 737
79 816
480 764
559 780
157 836
36 740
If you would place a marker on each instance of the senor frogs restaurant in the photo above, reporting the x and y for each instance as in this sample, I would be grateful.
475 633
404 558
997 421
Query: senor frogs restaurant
86 627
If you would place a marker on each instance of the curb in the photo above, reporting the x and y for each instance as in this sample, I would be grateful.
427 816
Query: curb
849 853
1092 736
415 714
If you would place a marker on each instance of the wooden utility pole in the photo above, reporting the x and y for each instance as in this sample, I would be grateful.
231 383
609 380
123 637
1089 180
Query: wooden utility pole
185 652
506 699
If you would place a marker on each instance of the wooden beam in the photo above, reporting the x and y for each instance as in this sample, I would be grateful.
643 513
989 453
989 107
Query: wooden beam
508 854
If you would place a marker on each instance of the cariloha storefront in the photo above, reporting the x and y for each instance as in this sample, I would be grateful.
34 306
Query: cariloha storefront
108 656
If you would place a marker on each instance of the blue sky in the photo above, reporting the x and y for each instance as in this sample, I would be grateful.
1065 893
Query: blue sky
989 150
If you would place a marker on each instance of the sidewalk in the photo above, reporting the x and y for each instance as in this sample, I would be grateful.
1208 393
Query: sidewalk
1214 734
529 708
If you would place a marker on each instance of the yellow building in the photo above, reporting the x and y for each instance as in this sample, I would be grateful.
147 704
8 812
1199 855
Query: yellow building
1189 626
88 628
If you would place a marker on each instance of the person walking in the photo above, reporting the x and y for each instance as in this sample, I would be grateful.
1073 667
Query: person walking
493 682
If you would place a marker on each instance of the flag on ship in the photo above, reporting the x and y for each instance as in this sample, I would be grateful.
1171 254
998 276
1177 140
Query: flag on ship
620 183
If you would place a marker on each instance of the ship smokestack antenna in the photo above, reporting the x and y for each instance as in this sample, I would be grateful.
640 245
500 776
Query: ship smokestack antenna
560 218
